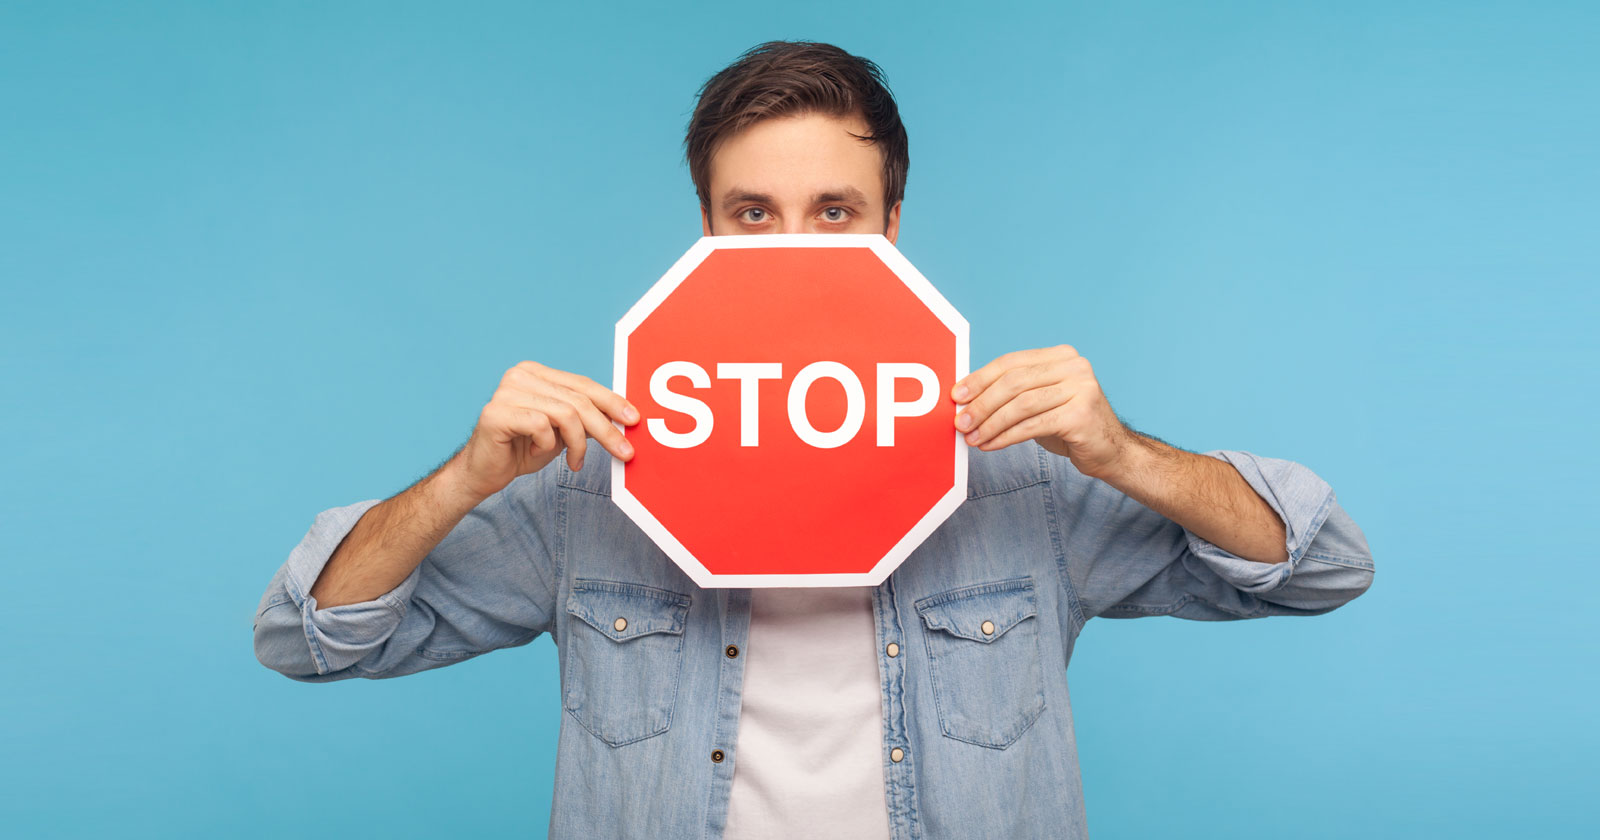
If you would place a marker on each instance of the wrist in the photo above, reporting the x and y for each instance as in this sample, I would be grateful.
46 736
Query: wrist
1137 458
451 492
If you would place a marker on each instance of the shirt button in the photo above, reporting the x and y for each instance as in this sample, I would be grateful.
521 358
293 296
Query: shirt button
988 628
621 624
896 755
716 756
732 651
893 650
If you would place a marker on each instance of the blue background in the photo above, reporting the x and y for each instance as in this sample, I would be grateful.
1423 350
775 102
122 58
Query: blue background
262 261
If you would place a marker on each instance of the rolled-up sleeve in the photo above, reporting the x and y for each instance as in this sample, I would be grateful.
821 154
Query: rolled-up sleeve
489 584
1124 560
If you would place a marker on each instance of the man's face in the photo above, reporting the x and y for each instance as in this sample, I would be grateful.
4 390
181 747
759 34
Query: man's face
799 174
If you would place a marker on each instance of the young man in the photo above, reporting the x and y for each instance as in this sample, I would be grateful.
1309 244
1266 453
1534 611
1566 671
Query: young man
934 705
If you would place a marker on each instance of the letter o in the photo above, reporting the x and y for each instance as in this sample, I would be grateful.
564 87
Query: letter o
855 404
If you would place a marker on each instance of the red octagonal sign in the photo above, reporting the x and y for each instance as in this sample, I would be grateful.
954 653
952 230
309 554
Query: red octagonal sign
796 421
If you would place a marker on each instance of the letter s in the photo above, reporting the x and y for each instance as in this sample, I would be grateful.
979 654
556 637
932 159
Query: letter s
699 411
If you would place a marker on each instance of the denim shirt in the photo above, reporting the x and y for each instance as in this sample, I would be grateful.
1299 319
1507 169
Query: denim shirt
982 721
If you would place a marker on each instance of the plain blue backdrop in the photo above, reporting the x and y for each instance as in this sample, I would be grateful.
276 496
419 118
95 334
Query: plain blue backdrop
262 260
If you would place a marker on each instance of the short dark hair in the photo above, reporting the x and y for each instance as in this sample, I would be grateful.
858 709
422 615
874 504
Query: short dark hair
785 78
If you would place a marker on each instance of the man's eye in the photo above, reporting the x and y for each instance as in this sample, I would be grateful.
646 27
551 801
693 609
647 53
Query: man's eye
754 214
835 214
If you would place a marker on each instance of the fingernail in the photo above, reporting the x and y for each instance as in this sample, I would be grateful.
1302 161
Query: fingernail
972 438
964 421
630 414
961 393
627 449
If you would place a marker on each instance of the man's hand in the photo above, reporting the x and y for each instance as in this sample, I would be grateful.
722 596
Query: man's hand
1048 395
536 413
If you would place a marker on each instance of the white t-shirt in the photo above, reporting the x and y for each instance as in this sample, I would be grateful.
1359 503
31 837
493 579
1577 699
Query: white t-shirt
810 760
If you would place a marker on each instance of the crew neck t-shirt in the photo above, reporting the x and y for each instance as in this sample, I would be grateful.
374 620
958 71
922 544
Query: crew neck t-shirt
810 740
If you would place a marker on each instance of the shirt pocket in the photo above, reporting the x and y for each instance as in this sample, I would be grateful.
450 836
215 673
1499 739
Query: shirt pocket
624 658
983 654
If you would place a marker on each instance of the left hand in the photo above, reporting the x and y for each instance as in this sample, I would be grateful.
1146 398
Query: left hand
1049 395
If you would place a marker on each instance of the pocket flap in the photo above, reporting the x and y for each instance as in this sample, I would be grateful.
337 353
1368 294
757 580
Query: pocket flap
642 610
963 612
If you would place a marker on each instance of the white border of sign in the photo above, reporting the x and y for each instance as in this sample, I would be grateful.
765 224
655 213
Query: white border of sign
908 274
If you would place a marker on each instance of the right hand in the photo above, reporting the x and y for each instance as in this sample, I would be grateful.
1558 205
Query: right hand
536 413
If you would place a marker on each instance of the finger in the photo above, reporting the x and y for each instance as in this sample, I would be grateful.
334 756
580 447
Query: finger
1027 429
1027 404
600 427
605 399
537 380
536 426
512 421
570 425
595 424
1001 391
975 382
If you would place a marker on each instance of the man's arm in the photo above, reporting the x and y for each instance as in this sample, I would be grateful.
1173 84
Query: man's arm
1204 495
456 565
1147 529
1123 559
535 414
1052 396
392 538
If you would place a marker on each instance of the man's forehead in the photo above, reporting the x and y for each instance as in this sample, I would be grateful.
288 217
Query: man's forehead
796 158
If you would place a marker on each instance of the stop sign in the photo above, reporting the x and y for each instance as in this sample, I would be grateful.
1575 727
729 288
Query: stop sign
796 425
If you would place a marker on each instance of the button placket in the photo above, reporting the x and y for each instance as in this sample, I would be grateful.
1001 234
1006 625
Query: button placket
899 781
733 606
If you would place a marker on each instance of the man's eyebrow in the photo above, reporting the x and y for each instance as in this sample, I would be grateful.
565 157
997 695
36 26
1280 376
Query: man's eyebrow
738 195
841 195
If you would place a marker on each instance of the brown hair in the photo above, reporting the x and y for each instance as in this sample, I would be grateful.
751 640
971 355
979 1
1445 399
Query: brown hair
785 78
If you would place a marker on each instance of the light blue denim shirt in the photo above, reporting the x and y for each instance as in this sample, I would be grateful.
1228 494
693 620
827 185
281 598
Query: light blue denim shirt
647 744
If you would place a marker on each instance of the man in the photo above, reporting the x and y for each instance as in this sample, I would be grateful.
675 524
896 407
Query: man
934 705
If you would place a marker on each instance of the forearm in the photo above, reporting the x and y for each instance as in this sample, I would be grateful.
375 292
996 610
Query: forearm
392 539
1205 495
